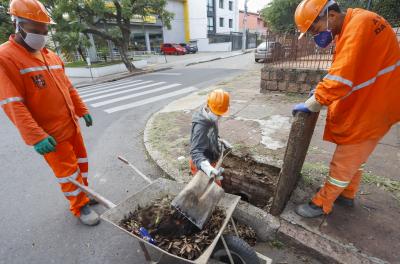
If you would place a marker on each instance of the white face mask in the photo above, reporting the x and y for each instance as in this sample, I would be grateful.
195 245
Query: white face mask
34 41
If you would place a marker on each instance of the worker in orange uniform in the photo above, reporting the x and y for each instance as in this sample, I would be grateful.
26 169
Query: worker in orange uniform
205 145
361 90
42 103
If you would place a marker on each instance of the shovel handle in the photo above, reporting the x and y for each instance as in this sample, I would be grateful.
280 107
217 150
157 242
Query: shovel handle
135 169
107 203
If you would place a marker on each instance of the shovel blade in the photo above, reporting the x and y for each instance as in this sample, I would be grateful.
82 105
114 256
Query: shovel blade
198 199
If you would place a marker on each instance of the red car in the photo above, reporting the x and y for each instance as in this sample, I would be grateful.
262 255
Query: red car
171 48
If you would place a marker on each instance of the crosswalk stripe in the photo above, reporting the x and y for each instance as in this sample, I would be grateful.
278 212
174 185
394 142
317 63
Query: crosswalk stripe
166 73
94 86
107 90
111 86
118 99
122 92
150 100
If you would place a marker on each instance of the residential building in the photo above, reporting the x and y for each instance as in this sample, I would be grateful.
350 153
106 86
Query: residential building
255 23
197 20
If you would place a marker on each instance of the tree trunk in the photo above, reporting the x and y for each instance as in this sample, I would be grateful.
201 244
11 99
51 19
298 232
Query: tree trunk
80 51
125 59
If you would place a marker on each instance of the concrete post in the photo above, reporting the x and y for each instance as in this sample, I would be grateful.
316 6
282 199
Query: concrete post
147 39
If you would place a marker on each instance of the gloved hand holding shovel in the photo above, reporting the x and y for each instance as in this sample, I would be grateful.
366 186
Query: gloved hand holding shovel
211 171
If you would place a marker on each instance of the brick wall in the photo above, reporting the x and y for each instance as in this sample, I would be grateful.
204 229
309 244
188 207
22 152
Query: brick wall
289 80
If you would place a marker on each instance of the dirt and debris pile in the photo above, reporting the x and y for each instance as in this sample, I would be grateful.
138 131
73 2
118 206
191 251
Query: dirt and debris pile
174 233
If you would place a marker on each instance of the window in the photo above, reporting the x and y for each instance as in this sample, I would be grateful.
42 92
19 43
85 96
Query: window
231 5
210 6
230 23
210 24
221 4
221 22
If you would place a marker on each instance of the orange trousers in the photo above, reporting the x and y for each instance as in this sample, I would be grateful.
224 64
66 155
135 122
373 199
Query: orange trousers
70 161
345 173
194 170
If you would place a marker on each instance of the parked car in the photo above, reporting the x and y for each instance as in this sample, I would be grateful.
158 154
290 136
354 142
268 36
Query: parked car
171 48
190 48
268 51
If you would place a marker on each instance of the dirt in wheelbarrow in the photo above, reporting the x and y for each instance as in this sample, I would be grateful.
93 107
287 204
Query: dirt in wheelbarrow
177 235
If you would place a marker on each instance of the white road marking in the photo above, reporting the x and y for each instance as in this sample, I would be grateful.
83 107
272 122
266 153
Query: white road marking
150 100
122 92
118 99
95 86
106 90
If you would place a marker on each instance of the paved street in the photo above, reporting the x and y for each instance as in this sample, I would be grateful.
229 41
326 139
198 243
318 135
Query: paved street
36 226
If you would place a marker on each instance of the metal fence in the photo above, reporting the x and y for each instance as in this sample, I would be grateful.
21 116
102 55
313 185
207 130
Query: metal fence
235 38
289 52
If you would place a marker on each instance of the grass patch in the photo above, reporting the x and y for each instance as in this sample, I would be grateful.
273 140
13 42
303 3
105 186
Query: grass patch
383 182
80 64
277 244
314 171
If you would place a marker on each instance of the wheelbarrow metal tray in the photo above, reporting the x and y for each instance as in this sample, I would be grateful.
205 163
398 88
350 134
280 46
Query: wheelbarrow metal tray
158 189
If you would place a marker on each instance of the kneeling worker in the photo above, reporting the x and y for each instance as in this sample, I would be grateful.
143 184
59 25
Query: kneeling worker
205 149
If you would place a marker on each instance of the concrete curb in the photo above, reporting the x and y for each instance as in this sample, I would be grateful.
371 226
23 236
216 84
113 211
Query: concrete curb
218 58
112 79
269 227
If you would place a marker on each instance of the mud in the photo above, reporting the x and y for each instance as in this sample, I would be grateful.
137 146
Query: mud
254 182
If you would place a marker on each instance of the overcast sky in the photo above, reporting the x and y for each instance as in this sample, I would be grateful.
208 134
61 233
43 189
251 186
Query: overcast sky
253 5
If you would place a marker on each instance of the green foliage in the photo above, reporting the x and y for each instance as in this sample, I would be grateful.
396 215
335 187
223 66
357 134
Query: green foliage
108 20
279 15
6 27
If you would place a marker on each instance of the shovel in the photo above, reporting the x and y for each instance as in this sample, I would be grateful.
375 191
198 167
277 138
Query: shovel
200 196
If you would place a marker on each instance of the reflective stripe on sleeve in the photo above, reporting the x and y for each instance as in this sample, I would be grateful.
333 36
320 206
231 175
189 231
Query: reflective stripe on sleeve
82 160
339 79
338 183
39 68
373 80
10 100
84 174
66 179
74 193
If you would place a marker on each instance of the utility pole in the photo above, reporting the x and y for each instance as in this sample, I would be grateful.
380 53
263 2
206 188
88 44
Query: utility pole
244 40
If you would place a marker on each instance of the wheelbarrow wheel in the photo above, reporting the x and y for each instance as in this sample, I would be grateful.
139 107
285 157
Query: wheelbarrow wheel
240 251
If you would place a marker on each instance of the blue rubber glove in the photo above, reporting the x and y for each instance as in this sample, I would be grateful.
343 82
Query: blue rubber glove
45 146
146 235
88 120
300 108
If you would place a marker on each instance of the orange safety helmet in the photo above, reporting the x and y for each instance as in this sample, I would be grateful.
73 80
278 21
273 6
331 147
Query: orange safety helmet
218 102
31 10
306 13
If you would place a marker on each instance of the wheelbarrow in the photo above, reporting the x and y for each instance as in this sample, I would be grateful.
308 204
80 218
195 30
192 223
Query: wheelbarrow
223 249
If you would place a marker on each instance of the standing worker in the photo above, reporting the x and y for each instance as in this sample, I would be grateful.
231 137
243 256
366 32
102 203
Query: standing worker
205 148
361 90
42 103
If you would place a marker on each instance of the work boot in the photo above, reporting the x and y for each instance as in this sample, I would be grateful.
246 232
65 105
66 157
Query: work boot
88 216
309 210
92 201
341 200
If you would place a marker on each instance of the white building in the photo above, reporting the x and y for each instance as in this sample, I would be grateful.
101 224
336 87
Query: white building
204 22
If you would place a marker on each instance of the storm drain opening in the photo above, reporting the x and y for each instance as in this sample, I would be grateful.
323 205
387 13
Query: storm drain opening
253 181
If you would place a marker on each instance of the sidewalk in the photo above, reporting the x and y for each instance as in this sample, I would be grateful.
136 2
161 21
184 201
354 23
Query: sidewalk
258 127
163 63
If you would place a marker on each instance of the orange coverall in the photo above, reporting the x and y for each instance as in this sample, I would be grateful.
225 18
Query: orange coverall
362 92
40 100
